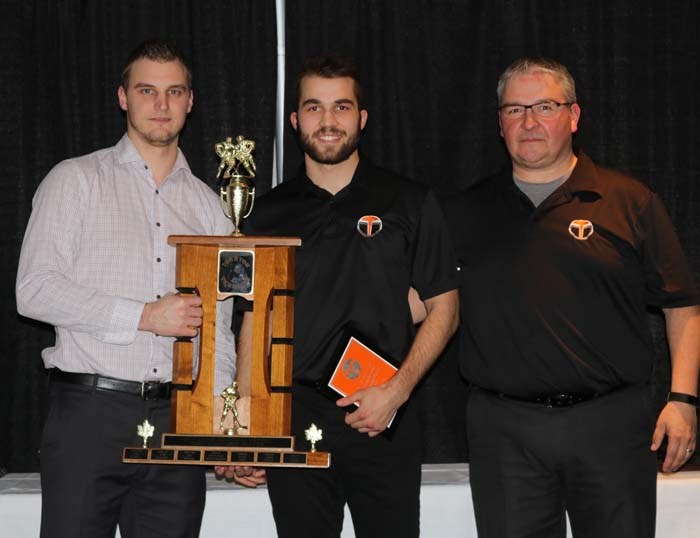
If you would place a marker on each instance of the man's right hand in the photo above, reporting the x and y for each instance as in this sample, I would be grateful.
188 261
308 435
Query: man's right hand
173 315
250 477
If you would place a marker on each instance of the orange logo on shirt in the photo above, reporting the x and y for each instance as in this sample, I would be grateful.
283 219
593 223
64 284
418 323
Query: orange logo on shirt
581 229
369 225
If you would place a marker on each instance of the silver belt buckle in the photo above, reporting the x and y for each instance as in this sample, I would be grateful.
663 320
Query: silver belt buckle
146 394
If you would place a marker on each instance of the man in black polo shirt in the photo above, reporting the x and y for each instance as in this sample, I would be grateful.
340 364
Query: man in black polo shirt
559 258
368 236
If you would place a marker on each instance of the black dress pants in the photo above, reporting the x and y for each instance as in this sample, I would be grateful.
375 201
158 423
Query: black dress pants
87 491
529 464
379 478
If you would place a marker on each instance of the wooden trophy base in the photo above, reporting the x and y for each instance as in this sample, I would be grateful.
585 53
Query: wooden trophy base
249 450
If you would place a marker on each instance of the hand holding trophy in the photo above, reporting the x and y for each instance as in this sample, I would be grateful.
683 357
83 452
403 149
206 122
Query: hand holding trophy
237 194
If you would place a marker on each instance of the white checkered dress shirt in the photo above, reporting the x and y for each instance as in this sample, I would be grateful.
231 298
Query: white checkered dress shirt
96 250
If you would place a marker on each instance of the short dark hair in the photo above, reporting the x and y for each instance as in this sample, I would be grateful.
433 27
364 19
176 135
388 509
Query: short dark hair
160 51
548 66
331 66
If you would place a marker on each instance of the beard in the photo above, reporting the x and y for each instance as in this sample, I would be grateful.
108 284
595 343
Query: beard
334 155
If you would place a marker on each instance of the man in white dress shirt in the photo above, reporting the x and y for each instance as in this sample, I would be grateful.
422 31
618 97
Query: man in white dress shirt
95 264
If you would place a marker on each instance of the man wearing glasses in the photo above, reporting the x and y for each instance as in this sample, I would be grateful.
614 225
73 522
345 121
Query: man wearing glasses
554 336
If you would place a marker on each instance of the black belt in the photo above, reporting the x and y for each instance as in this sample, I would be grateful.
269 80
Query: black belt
148 390
550 400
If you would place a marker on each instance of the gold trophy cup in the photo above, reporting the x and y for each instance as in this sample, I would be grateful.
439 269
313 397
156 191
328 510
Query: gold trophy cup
237 194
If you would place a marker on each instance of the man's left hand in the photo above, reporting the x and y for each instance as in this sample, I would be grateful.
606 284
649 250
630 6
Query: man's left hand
677 421
377 407
249 477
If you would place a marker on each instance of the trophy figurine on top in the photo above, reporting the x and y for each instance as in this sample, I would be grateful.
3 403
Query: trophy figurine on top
236 192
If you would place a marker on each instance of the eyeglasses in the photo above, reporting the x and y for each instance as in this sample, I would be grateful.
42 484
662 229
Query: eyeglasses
545 109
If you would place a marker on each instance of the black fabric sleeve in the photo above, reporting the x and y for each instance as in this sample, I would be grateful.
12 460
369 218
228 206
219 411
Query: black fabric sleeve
434 269
669 281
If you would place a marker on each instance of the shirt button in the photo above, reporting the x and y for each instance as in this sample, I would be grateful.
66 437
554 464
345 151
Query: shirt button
155 370
157 191
158 224
158 260
145 167
157 296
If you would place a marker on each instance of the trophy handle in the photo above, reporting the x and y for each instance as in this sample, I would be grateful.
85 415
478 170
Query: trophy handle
223 198
251 198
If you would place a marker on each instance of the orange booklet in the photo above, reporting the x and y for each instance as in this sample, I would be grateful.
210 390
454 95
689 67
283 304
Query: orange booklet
359 367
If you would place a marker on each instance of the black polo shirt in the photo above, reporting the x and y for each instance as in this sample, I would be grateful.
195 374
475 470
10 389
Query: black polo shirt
361 251
554 298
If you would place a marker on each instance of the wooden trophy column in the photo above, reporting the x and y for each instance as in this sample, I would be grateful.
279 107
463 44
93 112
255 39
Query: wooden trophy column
260 269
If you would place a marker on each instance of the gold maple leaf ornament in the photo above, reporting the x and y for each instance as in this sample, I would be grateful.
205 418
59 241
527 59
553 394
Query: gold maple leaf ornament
145 430
313 435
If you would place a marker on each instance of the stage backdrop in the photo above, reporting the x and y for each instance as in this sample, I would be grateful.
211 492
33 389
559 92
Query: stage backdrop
430 71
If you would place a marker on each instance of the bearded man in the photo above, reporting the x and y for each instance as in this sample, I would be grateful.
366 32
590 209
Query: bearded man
369 237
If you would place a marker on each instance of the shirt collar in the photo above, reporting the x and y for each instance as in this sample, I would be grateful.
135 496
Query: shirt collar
584 178
359 178
127 153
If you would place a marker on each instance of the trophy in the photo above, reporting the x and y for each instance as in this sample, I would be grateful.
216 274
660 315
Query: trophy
258 269
237 194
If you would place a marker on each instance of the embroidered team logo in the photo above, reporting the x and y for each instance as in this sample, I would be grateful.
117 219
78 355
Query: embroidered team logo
581 229
369 225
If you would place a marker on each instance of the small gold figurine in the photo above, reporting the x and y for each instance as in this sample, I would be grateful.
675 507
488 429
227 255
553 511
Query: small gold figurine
145 430
230 396
313 435
234 154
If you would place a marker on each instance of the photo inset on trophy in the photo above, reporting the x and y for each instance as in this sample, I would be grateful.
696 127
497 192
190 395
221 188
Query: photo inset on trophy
236 271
